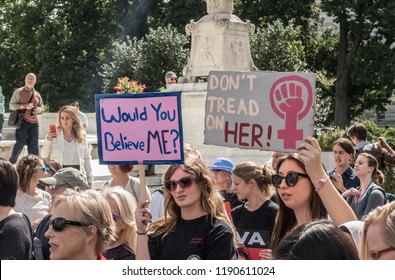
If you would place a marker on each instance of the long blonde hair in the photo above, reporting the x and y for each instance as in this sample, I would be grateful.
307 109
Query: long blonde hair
90 208
126 205
77 125
385 217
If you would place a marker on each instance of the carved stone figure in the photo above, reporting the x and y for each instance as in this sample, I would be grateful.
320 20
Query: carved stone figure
219 41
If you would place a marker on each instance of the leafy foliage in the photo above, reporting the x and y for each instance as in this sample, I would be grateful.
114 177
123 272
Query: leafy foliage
147 59
177 13
288 53
161 50
63 43
366 56
121 61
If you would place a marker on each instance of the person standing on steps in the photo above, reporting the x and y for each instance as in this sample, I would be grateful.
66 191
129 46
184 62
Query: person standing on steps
28 100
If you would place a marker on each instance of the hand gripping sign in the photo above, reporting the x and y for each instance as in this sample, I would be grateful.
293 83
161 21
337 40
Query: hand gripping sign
259 110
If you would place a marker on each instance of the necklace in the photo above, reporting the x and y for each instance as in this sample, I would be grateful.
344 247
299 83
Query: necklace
68 138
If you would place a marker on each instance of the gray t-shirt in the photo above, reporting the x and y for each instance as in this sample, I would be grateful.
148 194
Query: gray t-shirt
368 202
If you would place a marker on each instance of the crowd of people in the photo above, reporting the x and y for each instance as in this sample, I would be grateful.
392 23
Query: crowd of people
289 209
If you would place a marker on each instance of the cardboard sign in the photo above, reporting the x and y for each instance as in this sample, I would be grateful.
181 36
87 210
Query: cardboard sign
259 110
139 128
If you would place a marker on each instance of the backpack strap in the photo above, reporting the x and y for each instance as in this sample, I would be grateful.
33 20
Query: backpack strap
37 253
376 187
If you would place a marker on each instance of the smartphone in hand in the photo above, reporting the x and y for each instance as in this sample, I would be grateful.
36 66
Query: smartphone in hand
52 128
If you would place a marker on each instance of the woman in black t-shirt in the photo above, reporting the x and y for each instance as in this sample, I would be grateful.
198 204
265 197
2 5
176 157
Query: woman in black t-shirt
255 219
195 225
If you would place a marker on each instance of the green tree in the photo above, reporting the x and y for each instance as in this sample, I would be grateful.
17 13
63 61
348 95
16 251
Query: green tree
178 13
63 43
263 12
75 40
146 60
278 48
366 56
121 62
161 50
18 21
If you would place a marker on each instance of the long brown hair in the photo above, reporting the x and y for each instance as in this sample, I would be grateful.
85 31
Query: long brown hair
26 167
77 125
210 199
286 218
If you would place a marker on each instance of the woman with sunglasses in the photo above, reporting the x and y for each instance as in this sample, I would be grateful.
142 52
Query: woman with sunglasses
195 225
378 236
68 144
81 227
52 166
305 192
122 206
31 200
255 219
64 182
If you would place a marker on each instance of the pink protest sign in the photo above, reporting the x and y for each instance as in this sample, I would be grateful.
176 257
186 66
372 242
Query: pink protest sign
139 128
259 110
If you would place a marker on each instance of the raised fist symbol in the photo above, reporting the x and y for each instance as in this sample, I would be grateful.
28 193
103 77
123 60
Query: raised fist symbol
291 98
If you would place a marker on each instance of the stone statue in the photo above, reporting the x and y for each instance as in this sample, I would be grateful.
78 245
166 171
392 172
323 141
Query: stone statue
219 41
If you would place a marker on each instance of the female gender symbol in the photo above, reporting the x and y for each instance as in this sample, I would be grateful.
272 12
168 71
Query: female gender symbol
286 99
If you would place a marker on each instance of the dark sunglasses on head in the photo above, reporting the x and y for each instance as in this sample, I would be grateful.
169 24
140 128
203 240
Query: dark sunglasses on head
116 217
291 179
377 255
183 183
58 224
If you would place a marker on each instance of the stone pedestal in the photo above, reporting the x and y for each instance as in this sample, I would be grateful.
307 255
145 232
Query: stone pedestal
220 41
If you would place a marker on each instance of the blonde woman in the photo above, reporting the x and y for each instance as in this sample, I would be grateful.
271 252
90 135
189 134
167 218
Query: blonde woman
81 227
122 206
68 144
378 236
195 225
252 182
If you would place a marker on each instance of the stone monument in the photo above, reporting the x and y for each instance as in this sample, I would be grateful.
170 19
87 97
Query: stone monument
219 41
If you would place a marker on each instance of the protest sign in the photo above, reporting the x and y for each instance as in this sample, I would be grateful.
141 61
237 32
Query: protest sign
259 110
139 128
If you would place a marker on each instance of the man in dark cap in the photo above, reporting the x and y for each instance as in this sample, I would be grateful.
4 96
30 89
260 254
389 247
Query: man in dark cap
170 78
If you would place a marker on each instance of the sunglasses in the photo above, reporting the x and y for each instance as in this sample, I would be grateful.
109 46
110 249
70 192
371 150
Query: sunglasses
116 217
46 169
58 224
291 179
377 255
173 79
183 183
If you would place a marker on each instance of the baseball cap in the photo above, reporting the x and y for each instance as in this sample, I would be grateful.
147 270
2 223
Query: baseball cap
171 74
66 176
222 163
